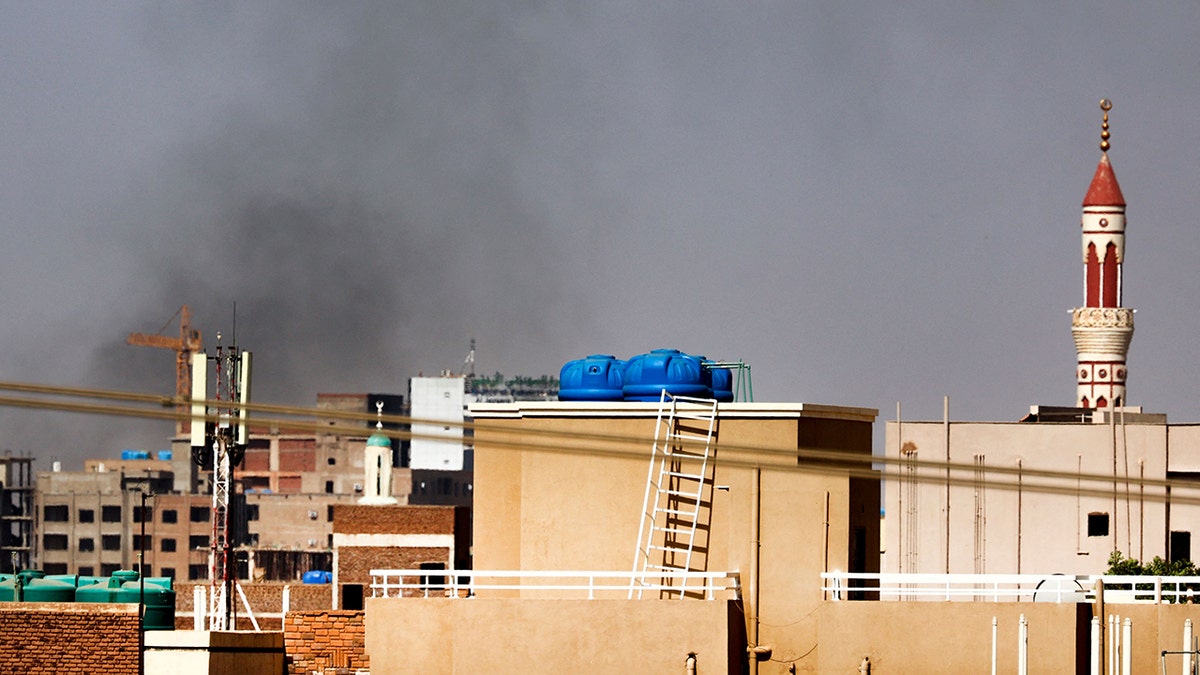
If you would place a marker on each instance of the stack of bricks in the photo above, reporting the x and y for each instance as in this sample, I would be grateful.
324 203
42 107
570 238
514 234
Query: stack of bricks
329 641
59 637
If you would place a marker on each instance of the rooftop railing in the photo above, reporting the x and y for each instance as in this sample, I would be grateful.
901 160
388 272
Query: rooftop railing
554 583
1010 587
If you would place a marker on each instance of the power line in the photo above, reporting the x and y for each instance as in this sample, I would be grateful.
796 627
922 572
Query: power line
508 437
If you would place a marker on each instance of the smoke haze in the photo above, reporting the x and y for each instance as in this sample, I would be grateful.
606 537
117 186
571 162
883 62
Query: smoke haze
867 202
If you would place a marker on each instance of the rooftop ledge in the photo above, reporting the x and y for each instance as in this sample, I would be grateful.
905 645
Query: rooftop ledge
519 409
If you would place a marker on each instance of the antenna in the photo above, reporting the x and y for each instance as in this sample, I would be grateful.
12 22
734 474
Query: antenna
468 368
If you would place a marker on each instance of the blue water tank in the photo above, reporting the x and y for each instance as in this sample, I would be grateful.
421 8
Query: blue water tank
647 375
722 384
317 577
165 455
599 377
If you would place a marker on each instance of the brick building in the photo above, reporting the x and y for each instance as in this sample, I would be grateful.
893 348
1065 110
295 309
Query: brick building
368 537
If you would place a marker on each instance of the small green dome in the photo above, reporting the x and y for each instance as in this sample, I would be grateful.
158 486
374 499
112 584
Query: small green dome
378 440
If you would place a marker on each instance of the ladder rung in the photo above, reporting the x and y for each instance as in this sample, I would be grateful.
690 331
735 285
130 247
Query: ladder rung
679 474
690 496
675 532
677 512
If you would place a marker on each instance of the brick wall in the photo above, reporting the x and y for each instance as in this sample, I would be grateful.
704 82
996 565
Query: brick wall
265 598
54 637
315 641
356 562
359 519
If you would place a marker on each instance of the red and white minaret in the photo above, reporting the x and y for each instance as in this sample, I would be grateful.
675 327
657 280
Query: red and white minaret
1102 328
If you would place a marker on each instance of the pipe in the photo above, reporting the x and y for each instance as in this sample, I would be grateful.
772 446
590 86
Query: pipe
1095 645
690 664
1113 644
994 645
1187 647
865 666
1126 647
946 425
1099 614
755 499
1023 647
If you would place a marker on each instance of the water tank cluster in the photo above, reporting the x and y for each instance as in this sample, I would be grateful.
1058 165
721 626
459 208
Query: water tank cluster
604 377
122 587
164 455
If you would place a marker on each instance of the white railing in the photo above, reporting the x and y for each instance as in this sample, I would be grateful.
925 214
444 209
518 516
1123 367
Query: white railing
552 583
1009 587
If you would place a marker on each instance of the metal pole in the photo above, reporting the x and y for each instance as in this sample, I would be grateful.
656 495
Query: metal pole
142 588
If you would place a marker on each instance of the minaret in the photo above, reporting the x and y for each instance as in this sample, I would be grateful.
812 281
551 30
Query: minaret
1102 327
377 481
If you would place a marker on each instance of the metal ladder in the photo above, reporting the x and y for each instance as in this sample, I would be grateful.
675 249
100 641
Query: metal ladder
675 484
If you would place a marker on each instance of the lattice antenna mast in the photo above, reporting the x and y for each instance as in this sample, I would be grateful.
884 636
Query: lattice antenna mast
219 442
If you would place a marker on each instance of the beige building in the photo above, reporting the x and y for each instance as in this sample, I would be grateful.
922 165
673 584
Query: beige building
90 522
559 487
1056 493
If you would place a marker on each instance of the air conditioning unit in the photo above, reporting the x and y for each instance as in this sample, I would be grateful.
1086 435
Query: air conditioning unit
312 542
312 515
357 488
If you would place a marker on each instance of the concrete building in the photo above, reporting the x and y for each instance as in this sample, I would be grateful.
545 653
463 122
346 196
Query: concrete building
552 495
1040 496
16 511
90 522
1063 488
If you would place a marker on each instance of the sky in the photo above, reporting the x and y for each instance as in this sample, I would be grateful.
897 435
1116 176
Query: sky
870 203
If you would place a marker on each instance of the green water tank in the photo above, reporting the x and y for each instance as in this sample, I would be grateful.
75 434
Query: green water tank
32 586
123 587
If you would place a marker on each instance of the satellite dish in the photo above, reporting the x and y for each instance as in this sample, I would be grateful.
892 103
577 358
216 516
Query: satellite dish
1059 588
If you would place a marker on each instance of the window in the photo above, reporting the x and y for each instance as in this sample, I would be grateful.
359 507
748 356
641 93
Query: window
108 569
110 542
55 568
138 514
54 542
1181 546
329 513
170 516
252 512
433 582
197 572
166 545
1097 524
55 514
87 515
87 544
198 541
328 487
86 570
332 461
166 572
200 514
137 542
110 514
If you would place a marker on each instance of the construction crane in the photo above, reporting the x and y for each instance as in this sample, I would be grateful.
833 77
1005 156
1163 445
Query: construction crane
185 345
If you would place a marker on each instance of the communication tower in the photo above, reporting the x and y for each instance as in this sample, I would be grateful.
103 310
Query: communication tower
219 443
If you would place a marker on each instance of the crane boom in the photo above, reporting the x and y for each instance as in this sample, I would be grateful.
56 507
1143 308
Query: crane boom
189 342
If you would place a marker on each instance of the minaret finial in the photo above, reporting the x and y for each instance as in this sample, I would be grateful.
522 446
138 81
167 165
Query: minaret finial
379 414
1105 105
